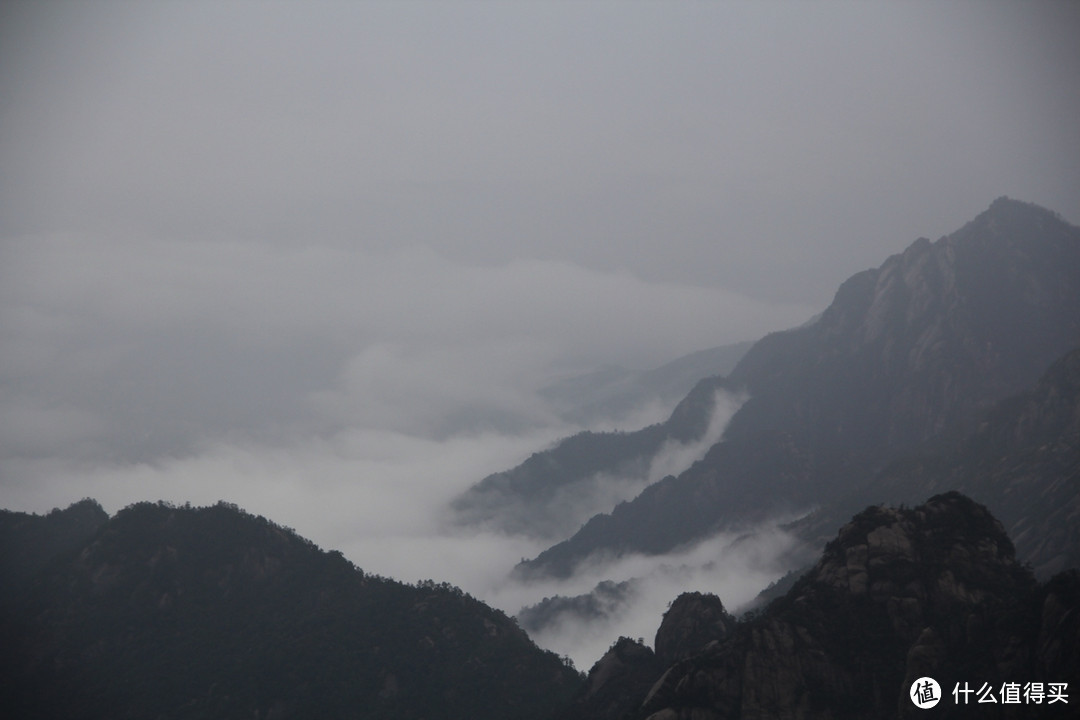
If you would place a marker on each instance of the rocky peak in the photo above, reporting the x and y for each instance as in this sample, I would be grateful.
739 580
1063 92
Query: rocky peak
907 359
614 681
899 594
922 563
935 334
693 621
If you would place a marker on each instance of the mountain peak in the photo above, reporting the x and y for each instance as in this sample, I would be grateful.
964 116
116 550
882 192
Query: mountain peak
908 356
693 621
882 544
902 593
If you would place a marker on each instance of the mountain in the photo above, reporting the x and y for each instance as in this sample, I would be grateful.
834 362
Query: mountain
605 600
1022 461
555 490
898 595
907 357
177 612
29 542
616 393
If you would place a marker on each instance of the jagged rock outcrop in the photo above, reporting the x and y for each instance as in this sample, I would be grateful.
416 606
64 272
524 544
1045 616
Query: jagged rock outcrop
693 621
899 594
611 690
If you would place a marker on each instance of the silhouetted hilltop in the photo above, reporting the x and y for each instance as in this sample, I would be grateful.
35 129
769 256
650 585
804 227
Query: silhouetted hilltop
171 612
28 542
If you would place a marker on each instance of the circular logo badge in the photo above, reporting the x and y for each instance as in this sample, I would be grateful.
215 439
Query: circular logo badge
925 693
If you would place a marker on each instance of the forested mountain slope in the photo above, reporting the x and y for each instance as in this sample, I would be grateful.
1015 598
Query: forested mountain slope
168 612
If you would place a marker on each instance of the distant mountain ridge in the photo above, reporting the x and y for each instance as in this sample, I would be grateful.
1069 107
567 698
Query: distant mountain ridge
614 393
544 495
918 346
907 355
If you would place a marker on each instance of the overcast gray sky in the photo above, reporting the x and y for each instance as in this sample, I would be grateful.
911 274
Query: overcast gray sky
317 257
766 148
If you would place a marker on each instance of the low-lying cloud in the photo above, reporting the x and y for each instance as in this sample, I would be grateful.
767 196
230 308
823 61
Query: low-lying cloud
133 349
735 567
550 509
377 497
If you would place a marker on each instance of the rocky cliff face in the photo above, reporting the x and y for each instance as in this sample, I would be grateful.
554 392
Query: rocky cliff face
1024 462
614 683
899 594
693 621
924 343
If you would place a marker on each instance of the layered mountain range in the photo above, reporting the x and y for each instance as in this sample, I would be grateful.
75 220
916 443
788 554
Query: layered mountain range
953 366
545 495
906 361
614 393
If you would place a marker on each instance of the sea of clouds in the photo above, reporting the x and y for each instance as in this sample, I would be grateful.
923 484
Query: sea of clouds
347 394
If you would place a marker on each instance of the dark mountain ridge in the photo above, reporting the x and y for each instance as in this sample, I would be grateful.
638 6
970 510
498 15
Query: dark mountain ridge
907 356
211 612
171 612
